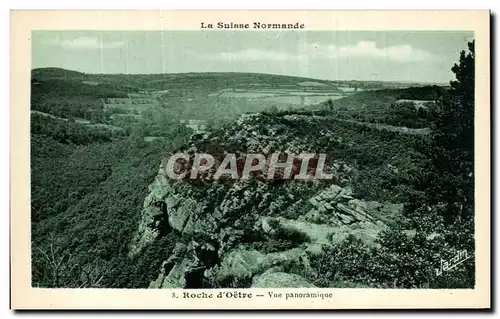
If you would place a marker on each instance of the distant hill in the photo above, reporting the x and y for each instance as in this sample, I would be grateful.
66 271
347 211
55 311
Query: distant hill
42 74
205 80
202 78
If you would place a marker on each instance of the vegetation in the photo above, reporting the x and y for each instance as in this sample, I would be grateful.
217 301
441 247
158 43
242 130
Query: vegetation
88 185
453 140
443 215
89 181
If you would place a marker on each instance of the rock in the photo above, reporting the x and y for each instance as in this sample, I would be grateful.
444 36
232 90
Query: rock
146 232
334 190
361 208
176 278
321 208
173 271
346 194
328 206
280 280
179 250
373 206
162 203
158 282
325 196
350 214
357 204
346 219
240 263
195 224
219 216
314 201
343 209
179 212
324 200
184 260
335 221
157 189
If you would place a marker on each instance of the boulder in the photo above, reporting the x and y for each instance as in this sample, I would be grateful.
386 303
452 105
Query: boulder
328 206
174 270
364 208
333 191
179 212
176 278
351 214
240 263
346 219
325 200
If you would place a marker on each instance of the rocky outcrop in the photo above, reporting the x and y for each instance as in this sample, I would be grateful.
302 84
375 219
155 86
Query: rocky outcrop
186 263
333 216
252 233
242 264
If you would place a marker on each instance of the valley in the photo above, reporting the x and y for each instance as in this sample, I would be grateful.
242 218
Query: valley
102 203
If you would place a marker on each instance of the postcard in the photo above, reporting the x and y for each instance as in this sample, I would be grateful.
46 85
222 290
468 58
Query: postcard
250 160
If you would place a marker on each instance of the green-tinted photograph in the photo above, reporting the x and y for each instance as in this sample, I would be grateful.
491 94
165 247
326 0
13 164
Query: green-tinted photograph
252 159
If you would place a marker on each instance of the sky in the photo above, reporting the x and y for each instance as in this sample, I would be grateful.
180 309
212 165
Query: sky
331 55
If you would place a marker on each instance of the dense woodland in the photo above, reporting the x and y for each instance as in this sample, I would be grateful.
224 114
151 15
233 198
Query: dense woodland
89 183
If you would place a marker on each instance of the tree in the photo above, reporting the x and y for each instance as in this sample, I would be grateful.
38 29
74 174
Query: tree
453 140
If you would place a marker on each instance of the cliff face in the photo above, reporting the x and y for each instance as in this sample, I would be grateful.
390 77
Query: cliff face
255 233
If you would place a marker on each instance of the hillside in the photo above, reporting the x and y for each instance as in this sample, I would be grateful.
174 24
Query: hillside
156 81
138 101
102 205
411 107
285 233
43 74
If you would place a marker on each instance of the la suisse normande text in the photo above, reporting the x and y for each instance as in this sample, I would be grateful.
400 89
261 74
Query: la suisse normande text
254 25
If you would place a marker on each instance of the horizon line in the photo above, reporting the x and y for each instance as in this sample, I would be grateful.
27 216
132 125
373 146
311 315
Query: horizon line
263 73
